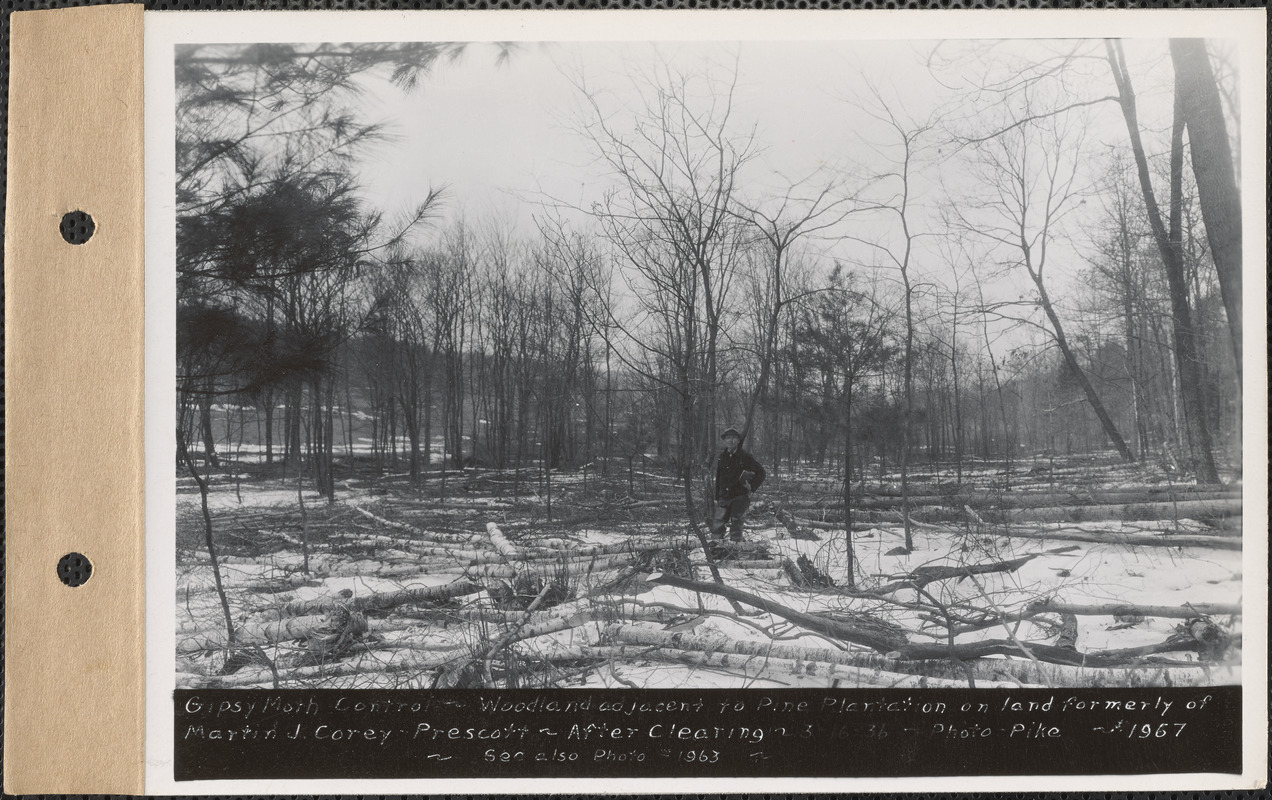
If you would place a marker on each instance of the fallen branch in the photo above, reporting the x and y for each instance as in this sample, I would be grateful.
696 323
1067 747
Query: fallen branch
508 637
874 634
929 573
878 638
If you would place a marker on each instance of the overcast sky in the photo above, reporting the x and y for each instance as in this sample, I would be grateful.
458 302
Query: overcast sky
503 137
490 129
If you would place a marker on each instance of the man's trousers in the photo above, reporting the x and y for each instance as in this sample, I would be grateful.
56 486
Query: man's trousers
732 513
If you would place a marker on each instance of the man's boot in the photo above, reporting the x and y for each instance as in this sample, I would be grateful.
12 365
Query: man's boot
717 524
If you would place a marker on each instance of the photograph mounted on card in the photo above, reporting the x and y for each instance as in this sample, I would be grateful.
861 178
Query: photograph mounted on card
651 396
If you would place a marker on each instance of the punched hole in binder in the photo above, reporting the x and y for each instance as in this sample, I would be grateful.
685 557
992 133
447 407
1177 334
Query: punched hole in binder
74 569
77 227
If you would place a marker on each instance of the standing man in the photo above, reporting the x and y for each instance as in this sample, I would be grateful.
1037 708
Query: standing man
737 475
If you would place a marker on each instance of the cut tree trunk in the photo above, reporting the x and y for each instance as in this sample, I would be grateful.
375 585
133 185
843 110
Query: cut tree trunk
260 633
435 536
1131 512
1027 499
793 527
546 569
770 668
383 600
501 543
1122 539
985 672
1189 611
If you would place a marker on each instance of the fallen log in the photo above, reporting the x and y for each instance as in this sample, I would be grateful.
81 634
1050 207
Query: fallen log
635 504
793 527
802 574
1130 611
756 667
686 641
834 526
477 504
371 662
424 550
543 569
382 600
371 568
535 630
283 583
267 632
1123 539
1044 652
986 672
1112 609
634 546
740 563
1029 499
201 638
501 543
448 538
1130 512
617 606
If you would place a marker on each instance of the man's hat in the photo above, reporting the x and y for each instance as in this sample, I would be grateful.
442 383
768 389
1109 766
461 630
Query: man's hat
731 431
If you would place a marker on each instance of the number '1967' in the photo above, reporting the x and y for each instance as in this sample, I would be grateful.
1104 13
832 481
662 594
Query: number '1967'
1161 730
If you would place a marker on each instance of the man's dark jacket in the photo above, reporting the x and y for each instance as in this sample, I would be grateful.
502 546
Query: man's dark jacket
729 469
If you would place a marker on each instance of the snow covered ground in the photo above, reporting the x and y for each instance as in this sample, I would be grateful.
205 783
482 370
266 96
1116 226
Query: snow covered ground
347 622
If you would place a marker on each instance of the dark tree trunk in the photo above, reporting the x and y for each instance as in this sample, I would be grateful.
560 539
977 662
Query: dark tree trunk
268 403
1186 352
1216 178
851 556
317 438
205 427
1185 335
329 440
183 455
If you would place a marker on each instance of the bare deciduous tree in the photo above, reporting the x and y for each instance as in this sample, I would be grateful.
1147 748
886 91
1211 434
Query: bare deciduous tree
1032 181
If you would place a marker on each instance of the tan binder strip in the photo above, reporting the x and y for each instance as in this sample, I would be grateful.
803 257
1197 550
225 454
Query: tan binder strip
74 657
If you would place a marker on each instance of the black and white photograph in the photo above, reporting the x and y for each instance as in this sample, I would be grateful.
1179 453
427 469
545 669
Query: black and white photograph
882 363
